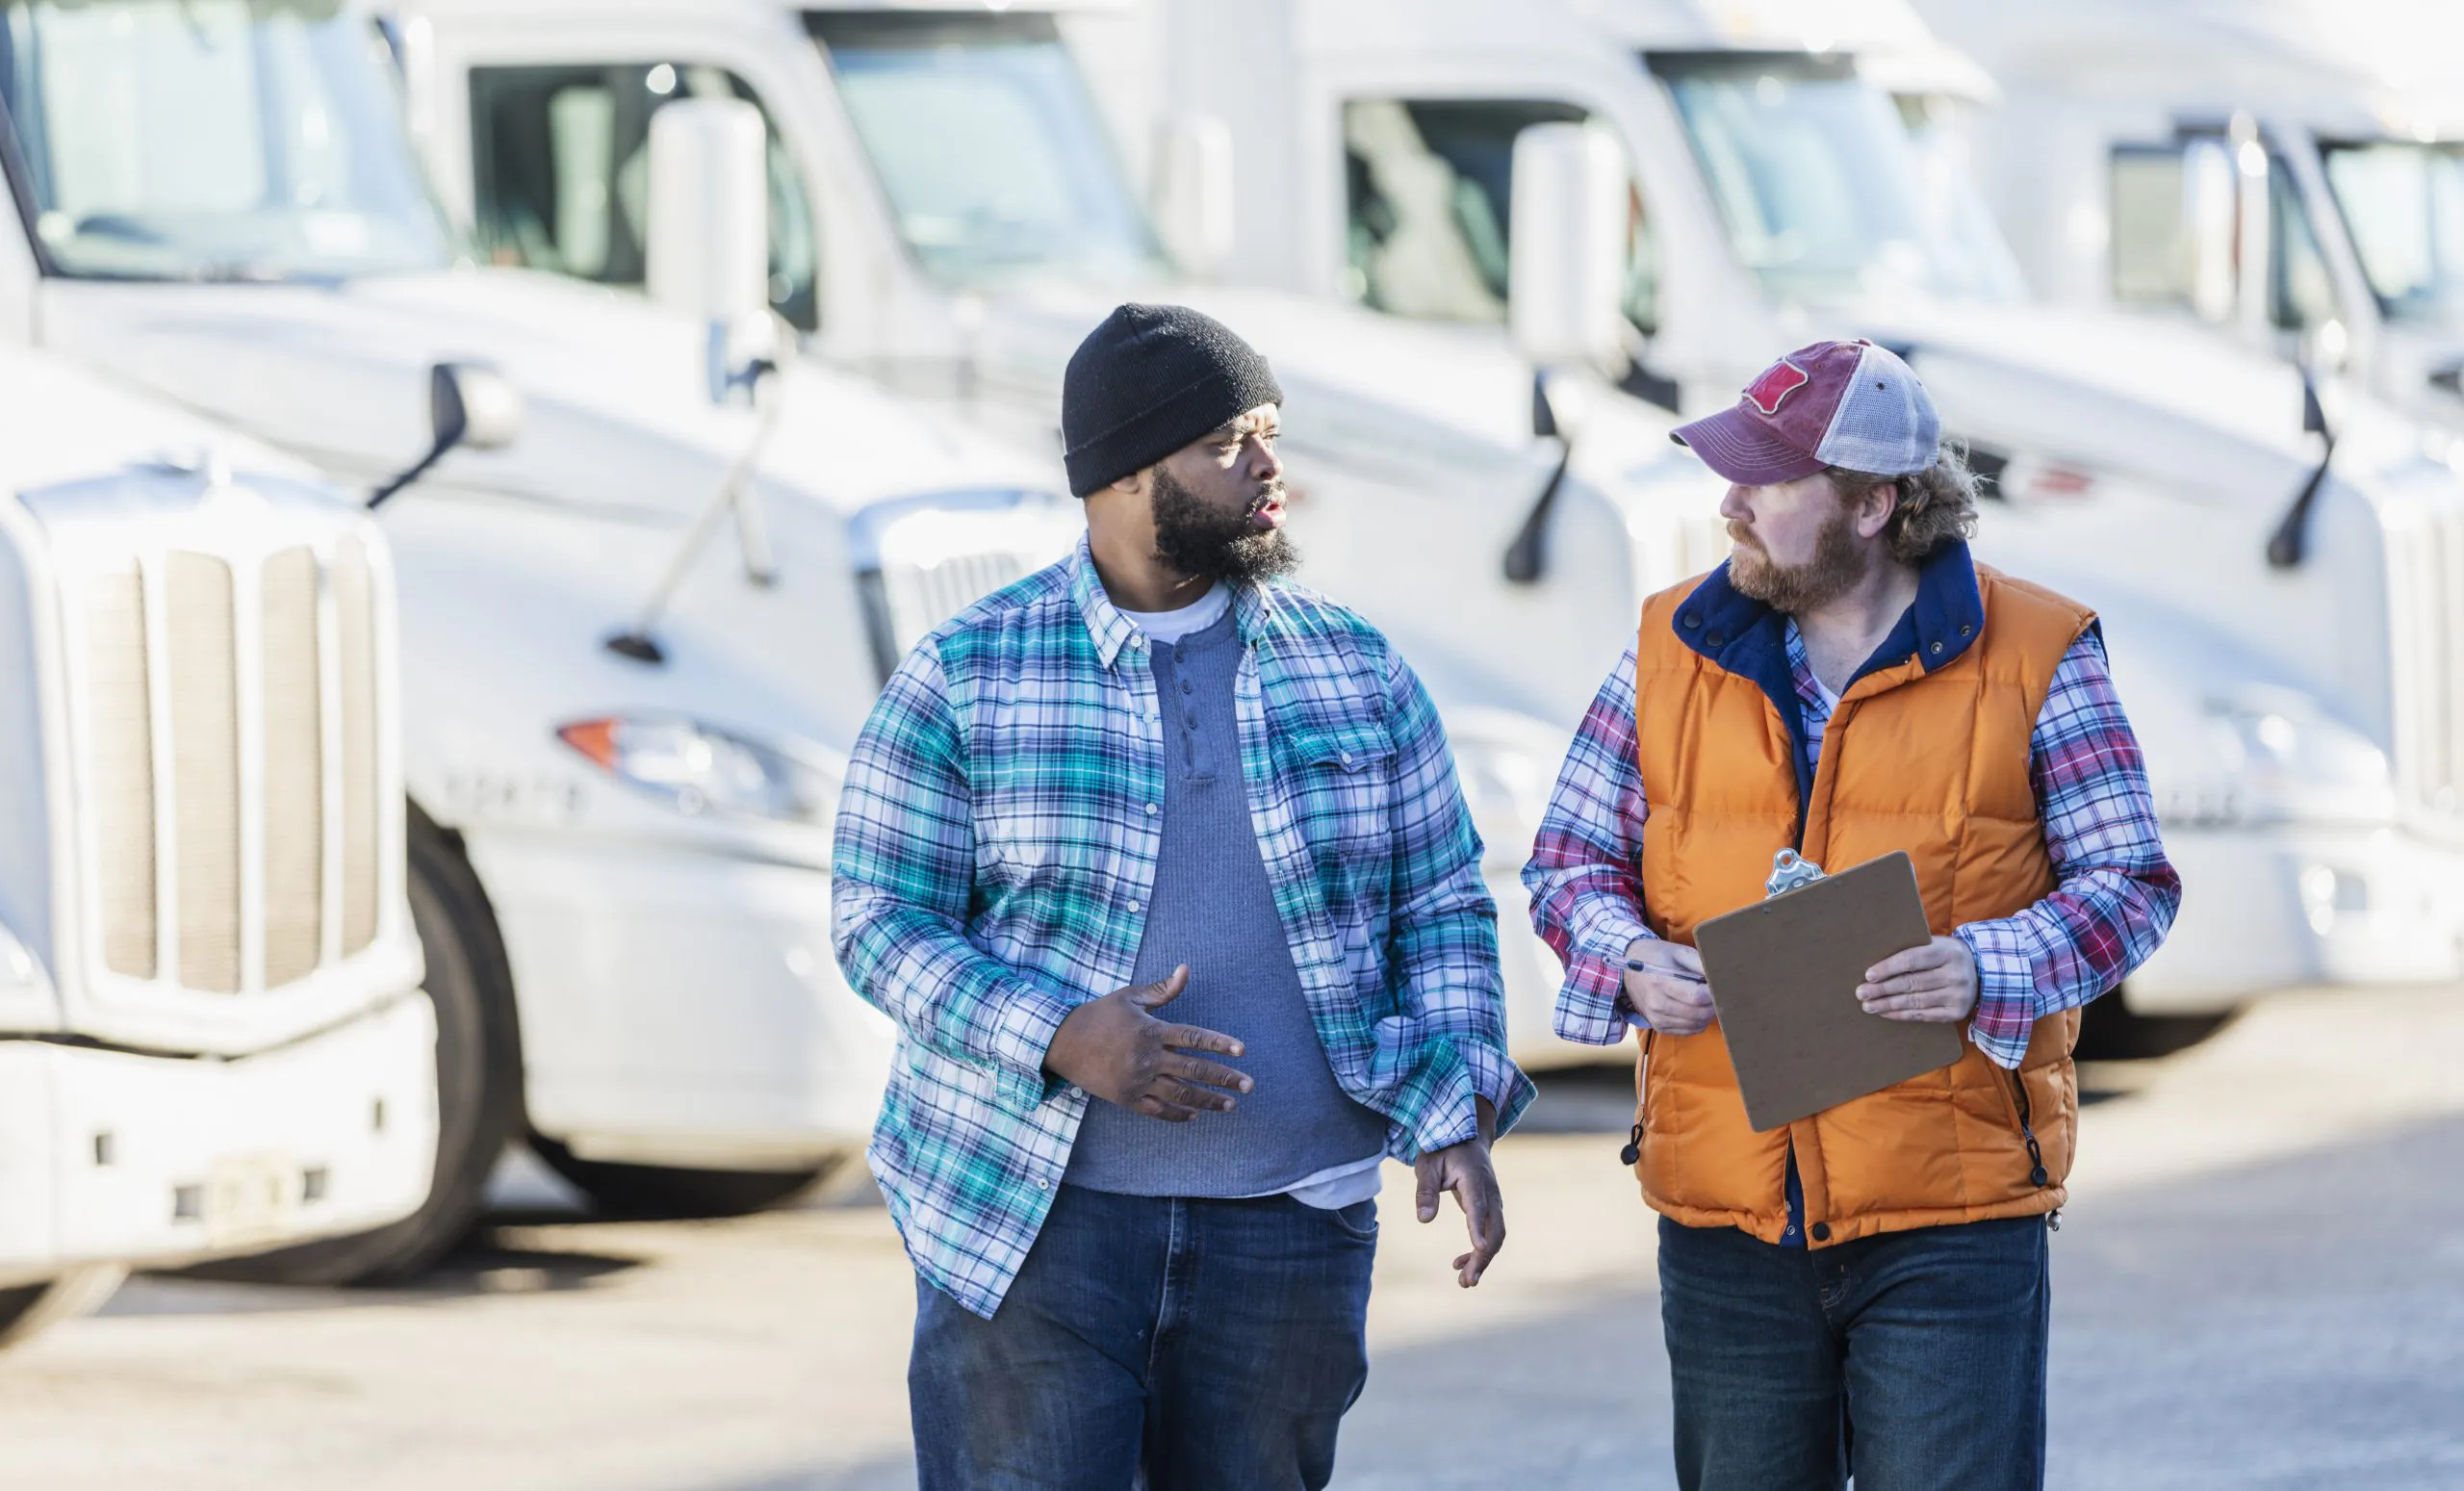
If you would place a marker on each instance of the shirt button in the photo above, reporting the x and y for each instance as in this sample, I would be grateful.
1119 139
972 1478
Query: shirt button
1137 906
1185 685
1151 809
1346 757
1042 1184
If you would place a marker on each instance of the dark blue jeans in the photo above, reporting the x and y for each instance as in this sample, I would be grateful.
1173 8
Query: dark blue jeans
1213 1344
1914 1360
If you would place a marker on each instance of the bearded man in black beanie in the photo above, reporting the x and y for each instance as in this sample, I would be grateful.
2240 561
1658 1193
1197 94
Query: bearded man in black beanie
1160 865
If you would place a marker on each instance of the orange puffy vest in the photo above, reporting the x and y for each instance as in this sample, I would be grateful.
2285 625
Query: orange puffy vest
1934 764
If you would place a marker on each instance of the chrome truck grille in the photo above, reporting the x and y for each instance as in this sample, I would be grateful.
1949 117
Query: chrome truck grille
2425 593
922 560
227 761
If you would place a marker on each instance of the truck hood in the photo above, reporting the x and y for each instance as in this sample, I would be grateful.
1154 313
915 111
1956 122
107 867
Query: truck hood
616 408
60 422
2109 392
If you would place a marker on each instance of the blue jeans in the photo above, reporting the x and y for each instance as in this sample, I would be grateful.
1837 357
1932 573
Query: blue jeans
1914 1360
1208 1344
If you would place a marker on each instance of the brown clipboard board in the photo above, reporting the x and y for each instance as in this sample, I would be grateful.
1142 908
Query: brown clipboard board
1784 976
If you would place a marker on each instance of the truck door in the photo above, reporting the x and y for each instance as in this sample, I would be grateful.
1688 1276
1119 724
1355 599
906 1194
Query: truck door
1428 185
561 173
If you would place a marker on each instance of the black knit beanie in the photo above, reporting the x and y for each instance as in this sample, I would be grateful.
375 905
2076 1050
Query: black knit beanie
1149 380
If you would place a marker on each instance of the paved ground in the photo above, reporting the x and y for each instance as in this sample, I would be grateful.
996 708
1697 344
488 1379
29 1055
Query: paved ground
2260 1283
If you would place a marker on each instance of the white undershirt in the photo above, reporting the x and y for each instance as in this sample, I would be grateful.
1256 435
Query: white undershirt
1336 1186
1168 627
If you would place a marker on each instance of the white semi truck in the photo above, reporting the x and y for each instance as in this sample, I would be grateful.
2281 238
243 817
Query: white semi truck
636 640
2283 626
952 215
2285 174
213 1039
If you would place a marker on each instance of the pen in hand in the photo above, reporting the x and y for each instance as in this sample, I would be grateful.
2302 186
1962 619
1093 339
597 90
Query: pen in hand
1637 965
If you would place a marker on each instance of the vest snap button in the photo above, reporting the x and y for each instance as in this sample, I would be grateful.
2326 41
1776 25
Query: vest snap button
1938 649
1820 1231
1692 619
1964 630
1716 640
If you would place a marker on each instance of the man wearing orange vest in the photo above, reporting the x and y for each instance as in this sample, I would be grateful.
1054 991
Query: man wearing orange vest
1864 1290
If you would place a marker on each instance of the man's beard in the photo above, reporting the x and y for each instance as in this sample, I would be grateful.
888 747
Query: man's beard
1204 541
1835 569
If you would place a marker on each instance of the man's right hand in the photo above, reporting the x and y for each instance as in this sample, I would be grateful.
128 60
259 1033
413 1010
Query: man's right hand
1116 1049
1669 993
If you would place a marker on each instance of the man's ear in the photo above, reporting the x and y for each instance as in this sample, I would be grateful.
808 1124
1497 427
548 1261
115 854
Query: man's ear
1875 508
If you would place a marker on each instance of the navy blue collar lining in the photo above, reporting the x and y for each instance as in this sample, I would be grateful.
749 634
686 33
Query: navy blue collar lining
1748 638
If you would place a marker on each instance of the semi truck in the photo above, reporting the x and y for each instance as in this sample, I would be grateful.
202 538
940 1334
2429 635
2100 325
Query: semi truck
213 1035
954 210
2275 567
2285 175
650 577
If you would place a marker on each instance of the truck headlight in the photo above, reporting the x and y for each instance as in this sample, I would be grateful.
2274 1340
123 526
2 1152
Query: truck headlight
696 768
2283 758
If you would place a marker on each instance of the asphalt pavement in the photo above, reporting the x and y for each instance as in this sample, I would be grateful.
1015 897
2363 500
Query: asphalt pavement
2259 1284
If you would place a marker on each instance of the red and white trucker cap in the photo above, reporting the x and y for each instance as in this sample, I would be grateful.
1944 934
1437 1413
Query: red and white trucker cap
1850 404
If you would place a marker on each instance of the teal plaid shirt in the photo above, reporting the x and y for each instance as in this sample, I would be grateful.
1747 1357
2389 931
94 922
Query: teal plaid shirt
996 845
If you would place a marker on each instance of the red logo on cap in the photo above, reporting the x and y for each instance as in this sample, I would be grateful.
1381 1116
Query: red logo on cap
1777 382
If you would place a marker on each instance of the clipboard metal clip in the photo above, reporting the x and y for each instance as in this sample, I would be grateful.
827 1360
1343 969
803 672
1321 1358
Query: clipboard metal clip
1790 869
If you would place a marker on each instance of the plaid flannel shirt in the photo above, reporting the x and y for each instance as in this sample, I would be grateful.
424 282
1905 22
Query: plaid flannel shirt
997 842
2114 900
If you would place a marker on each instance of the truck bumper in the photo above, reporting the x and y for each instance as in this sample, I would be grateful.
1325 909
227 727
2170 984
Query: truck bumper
682 1008
2286 908
112 1156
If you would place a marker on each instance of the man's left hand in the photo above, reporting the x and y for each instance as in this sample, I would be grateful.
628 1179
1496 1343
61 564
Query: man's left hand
1936 982
1465 1169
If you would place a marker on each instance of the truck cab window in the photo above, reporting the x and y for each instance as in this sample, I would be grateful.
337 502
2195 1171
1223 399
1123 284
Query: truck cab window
2403 203
1429 188
561 174
2151 242
2300 297
2166 198
214 140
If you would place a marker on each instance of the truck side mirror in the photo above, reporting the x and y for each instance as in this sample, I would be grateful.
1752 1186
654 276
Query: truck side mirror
2211 214
1192 199
473 406
708 253
1567 234
468 406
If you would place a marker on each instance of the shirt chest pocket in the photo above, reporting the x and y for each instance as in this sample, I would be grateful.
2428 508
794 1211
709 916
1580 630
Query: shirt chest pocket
1343 785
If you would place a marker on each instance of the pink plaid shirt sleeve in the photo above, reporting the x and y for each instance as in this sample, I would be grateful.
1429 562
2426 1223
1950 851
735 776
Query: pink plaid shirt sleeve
2115 893
1585 874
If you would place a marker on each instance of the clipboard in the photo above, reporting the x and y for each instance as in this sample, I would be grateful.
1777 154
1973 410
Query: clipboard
1784 976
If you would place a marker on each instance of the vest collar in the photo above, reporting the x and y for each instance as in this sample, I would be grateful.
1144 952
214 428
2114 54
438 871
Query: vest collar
1744 636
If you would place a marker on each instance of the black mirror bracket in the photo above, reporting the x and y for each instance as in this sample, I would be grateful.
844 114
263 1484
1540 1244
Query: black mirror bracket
1527 558
734 496
2290 544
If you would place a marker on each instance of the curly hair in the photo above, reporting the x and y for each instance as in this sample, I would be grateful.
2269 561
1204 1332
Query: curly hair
1936 506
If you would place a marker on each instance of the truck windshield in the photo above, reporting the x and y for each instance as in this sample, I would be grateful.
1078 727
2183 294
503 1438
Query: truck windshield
210 139
1823 194
987 147
2404 204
